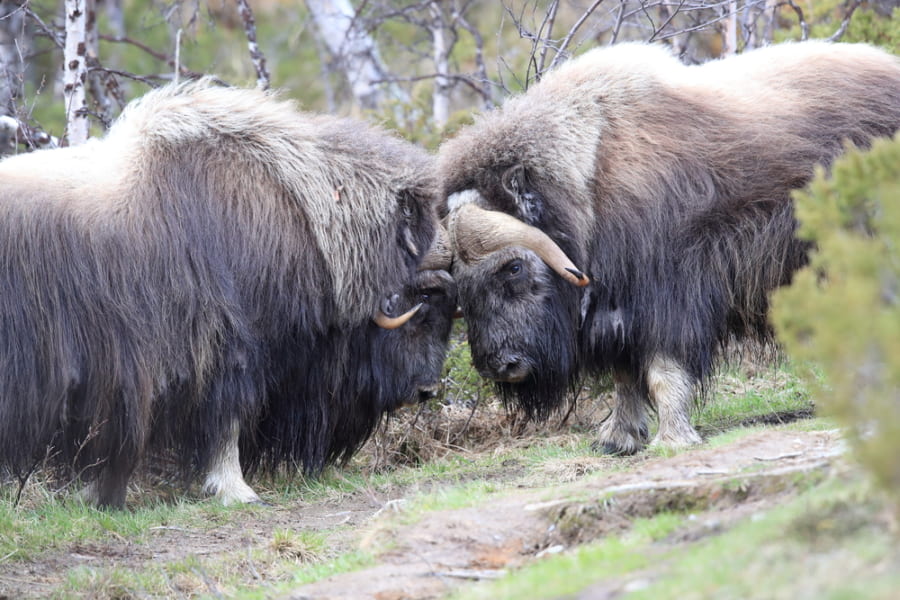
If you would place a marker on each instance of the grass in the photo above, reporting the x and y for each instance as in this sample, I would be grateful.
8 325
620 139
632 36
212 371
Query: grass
58 523
778 395
45 525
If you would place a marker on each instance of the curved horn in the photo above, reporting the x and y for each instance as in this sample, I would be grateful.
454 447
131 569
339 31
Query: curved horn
439 255
386 322
475 232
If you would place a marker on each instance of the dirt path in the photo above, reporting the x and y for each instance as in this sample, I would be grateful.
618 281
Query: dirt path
434 555
446 548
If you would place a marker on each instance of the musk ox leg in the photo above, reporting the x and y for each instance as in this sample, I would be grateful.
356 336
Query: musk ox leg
109 488
625 430
225 480
103 494
672 391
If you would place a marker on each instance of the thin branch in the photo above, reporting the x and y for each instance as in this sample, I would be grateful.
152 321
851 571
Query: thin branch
256 55
549 21
46 29
804 27
182 70
669 17
852 6
620 18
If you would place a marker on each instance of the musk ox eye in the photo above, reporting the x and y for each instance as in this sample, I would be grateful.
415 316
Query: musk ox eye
513 267
428 293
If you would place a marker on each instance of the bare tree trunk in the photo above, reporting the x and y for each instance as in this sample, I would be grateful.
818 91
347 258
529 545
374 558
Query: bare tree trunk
730 35
771 12
75 71
441 98
355 51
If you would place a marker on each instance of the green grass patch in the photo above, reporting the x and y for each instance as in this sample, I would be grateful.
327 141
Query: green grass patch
777 395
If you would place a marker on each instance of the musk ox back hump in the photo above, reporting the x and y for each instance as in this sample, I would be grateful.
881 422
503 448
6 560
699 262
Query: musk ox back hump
352 185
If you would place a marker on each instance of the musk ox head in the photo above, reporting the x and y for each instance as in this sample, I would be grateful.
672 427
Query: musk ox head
358 375
519 291
391 368
411 358
519 189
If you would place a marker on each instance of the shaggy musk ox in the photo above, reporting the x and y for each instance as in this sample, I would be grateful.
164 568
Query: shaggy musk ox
630 214
204 279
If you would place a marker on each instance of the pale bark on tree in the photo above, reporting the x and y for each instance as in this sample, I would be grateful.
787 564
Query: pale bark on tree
355 51
75 71
730 29
442 87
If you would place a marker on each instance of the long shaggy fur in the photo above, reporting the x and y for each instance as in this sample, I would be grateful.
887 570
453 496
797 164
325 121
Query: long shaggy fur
167 281
670 186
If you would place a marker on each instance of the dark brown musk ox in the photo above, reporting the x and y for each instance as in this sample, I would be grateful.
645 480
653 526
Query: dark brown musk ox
212 277
630 214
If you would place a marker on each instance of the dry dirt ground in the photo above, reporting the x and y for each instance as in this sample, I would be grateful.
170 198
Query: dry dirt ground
444 548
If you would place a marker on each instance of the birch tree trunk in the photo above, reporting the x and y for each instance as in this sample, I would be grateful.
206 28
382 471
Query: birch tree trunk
355 50
441 98
730 34
75 72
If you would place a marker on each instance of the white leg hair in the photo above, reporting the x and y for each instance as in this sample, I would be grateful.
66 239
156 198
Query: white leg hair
625 430
225 479
672 391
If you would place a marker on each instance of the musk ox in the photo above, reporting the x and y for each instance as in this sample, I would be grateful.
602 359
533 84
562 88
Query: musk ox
203 279
630 214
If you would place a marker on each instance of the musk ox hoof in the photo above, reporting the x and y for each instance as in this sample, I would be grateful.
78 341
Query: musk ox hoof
618 437
229 489
610 449
677 440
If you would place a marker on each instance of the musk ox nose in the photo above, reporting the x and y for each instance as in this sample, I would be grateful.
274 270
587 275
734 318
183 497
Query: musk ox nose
507 367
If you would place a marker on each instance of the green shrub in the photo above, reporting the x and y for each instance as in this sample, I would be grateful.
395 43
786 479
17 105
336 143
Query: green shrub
842 312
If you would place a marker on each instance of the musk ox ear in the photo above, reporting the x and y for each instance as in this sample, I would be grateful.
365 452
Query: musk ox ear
476 232
528 203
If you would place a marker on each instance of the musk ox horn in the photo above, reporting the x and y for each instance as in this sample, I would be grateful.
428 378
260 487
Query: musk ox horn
440 255
385 322
475 232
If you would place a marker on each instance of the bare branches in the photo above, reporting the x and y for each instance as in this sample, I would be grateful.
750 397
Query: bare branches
256 55
850 8
439 63
804 27
561 51
151 80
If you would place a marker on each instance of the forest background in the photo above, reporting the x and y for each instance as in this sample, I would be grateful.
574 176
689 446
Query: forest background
421 68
